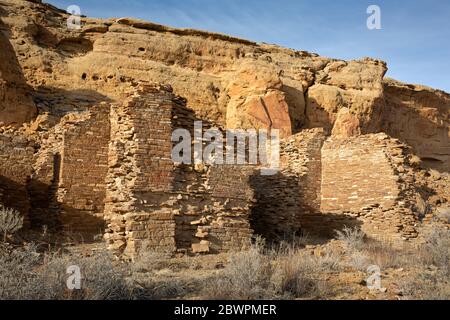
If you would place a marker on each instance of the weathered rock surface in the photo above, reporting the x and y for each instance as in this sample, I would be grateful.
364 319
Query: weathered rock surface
419 116
225 79
16 105
233 82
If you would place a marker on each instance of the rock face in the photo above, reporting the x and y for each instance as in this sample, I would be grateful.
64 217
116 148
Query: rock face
16 104
257 100
96 158
355 85
233 82
419 116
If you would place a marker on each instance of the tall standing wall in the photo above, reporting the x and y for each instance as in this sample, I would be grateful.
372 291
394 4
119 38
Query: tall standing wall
168 206
84 164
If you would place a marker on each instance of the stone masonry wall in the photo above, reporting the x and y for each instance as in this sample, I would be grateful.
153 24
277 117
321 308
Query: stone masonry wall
84 164
16 159
287 200
110 169
168 206
140 173
361 184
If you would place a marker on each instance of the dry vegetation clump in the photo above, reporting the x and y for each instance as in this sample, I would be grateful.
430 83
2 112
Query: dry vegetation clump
362 252
30 275
282 273
433 280
298 276
444 214
149 258
427 267
11 221
353 238
247 276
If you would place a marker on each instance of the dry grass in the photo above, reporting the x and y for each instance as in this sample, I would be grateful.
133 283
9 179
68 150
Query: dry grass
298 276
282 273
247 276
11 221
353 238
148 258
433 279
30 275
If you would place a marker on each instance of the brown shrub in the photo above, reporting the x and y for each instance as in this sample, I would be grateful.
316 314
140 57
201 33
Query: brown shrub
27 274
11 221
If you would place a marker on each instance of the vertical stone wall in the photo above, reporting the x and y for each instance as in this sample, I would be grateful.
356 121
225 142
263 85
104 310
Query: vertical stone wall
140 175
84 164
42 189
16 167
226 221
361 185
356 174
287 200
169 206
304 154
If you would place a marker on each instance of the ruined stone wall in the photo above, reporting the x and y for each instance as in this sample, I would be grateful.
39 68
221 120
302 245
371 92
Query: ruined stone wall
140 173
16 159
362 186
286 201
168 206
112 167
84 164
226 221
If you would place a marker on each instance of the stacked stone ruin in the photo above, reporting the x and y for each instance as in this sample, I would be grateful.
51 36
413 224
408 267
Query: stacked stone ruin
108 171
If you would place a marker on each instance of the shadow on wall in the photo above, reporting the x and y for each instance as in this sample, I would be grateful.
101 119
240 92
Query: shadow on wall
73 46
318 116
36 201
16 105
276 211
297 108
14 195
280 212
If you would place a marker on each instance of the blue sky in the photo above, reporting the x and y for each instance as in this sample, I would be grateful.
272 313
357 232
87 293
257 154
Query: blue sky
414 39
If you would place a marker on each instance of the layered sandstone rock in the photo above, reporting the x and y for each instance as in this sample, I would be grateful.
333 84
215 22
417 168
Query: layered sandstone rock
257 100
16 105
233 82
419 116
355 85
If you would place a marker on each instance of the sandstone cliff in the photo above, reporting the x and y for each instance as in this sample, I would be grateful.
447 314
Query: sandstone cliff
233 82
